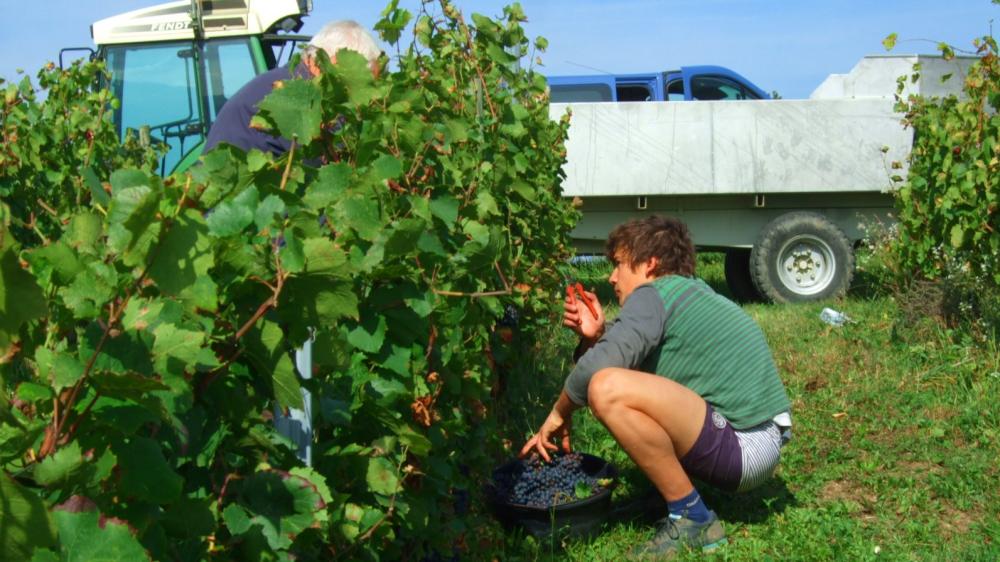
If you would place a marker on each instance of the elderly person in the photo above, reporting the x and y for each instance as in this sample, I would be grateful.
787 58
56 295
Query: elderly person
683 379
232 125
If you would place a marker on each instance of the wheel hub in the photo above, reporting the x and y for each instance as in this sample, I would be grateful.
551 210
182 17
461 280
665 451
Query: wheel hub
806 265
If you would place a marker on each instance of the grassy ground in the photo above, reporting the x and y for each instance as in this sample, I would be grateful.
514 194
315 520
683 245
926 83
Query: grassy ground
895 449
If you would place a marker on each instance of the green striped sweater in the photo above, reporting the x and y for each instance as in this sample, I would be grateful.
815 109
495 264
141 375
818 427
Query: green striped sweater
678 327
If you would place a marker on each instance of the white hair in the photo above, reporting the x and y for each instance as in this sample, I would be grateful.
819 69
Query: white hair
345 34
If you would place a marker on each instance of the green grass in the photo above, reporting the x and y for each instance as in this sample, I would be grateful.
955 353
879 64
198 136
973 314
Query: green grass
895 449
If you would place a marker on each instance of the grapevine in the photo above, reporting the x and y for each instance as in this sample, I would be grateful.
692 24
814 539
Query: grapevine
150 323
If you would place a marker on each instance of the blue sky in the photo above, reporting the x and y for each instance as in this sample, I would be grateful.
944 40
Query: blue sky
783 45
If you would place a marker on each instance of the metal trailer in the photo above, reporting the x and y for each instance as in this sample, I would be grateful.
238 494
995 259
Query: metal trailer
785 187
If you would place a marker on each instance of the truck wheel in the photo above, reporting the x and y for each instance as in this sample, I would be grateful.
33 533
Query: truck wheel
738 276
800 257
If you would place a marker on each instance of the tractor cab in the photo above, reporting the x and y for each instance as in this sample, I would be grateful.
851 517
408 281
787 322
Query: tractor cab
173 66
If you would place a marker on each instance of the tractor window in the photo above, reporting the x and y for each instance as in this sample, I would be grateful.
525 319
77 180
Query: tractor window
230 66
156 86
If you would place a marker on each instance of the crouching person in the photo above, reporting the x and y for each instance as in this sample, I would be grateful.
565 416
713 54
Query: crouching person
683 379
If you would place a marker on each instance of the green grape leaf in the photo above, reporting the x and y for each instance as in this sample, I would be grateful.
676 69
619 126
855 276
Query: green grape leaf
293 258
271 208
431 244
21 299
83 233
97 193
236 519
145 473
60 467
132 219
282 505
127 386
88 537
60 259
387 167
890 41
184 255
369 335
232 216
958 235
318 300
32 392
381 476
66 371
330 185
25 521
357 77
403 238
323 257
142 314
360 212
287 390
294 109
177 350
190 517
90 290
445 208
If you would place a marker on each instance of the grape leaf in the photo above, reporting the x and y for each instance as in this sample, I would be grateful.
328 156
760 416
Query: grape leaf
381 476
369 335
145 473
61 466
184 255
330 185
175 350
25 521
294 109
88 537
287 390
356 74
21 299
232 216
132 220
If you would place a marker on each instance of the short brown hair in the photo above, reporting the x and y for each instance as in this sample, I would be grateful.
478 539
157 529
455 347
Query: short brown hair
664 238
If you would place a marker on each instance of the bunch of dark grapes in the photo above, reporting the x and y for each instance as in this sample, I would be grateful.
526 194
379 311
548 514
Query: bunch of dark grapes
510 317
536 483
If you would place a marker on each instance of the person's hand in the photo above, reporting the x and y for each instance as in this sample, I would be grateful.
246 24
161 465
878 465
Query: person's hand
555 428
578 317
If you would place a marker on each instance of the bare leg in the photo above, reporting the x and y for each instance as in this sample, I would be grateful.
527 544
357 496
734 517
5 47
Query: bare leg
654 419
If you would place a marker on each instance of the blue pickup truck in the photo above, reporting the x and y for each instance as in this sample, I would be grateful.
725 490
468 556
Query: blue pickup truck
690 83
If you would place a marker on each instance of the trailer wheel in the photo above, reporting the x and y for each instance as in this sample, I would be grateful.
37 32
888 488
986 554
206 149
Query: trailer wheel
738 277
801 257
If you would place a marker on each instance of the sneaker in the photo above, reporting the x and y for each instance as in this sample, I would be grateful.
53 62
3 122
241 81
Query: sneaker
677 533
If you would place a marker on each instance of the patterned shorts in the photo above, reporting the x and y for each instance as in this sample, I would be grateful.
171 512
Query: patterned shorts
734 460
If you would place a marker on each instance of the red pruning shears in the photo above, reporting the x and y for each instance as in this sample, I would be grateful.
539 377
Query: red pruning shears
574 291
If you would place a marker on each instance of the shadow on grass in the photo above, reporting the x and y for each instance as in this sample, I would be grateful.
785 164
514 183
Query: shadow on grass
755 506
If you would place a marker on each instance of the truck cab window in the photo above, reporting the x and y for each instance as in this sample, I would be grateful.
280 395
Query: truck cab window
156 86
718 88
675 90
634 92
580 93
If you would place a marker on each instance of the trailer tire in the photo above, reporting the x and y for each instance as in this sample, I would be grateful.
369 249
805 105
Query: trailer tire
738 276
801 257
